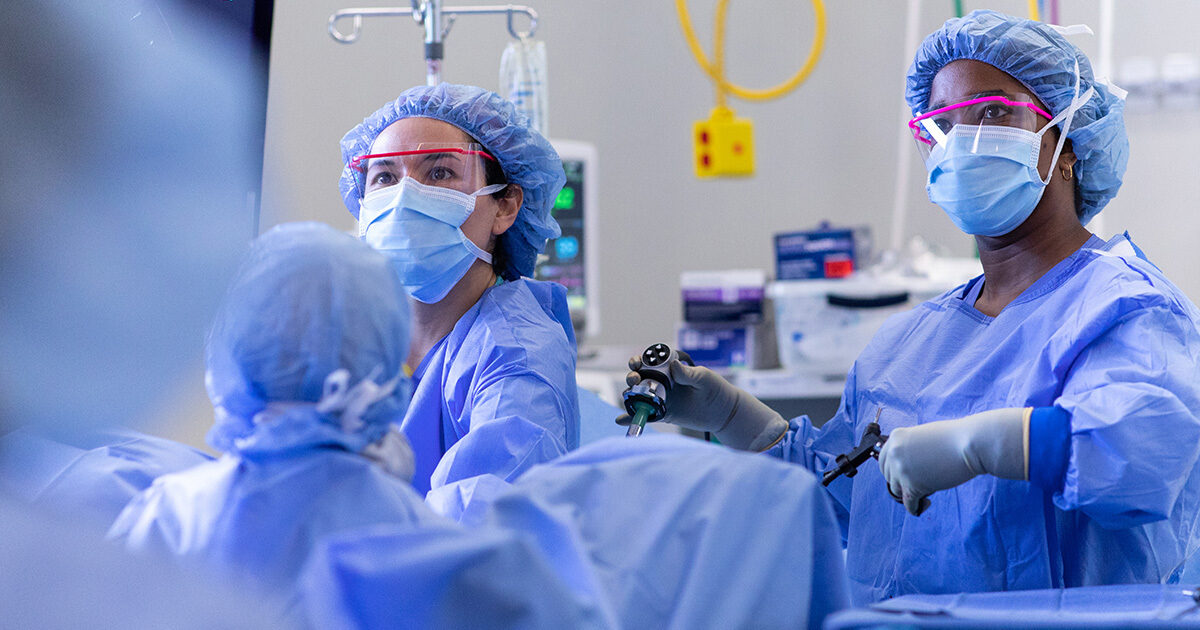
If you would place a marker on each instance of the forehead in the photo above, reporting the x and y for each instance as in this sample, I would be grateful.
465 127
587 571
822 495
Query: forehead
410 131
966 77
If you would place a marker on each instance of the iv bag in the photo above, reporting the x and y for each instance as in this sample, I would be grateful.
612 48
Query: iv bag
523 81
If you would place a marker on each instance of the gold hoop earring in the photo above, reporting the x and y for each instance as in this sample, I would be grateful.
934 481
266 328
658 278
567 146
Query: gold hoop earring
1068 172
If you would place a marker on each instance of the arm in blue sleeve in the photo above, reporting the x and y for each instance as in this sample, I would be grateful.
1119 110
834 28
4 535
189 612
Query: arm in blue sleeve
1132 396
514 422
1049 447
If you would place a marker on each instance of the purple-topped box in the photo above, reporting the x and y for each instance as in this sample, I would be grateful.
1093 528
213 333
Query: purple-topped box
723 296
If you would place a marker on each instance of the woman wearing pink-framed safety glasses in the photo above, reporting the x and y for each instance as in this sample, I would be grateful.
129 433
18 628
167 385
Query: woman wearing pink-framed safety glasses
1043 417
456 188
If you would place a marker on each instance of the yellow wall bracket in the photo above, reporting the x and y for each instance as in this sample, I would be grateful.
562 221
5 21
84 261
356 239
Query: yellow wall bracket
724 145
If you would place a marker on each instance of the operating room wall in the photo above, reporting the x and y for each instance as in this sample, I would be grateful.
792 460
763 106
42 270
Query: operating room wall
622 78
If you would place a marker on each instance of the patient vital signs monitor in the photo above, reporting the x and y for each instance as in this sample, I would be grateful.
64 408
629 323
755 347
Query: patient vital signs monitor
570 259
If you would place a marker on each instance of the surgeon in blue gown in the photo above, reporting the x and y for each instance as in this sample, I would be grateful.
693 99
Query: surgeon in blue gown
455 187
1043 416
304 372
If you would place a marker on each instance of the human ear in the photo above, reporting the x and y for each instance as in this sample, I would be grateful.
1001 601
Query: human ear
508 206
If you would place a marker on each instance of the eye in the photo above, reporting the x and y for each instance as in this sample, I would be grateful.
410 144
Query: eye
381 179
944 124
441 174
996 110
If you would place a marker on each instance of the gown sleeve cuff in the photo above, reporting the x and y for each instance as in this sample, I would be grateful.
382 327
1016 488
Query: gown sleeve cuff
1049 447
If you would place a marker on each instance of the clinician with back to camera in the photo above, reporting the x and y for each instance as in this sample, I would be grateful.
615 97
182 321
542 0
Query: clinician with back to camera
1051 402
456 188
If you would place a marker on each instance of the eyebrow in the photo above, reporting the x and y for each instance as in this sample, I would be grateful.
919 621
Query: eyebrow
437 156
942 104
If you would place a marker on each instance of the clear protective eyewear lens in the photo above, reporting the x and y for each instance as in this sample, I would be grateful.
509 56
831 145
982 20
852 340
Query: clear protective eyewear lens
1009 110
457 166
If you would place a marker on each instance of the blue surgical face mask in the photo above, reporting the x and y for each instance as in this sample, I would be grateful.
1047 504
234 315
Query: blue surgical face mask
986 178
419 228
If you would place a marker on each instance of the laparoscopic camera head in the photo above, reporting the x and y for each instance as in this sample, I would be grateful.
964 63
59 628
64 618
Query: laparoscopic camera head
647 400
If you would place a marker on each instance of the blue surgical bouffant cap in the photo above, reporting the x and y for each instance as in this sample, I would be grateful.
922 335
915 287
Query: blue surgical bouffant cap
307 302
526 158
1044 61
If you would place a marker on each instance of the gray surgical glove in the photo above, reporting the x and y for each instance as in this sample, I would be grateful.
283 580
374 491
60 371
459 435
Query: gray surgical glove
704 401
920 460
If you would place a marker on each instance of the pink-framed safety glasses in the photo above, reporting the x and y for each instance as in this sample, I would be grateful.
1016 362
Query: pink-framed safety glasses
1011 110
356 163
459 166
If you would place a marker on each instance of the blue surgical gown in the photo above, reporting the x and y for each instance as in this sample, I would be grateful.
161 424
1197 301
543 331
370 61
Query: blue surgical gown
497 394
466 501
395 576
259 518
1104 337
683 534
56 572
92 476
1113 606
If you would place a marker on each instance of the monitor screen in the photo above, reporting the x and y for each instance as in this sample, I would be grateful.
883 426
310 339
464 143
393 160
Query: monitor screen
564 255
570 259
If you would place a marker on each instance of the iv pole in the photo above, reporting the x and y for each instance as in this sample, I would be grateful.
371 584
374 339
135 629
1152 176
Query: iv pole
436 19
